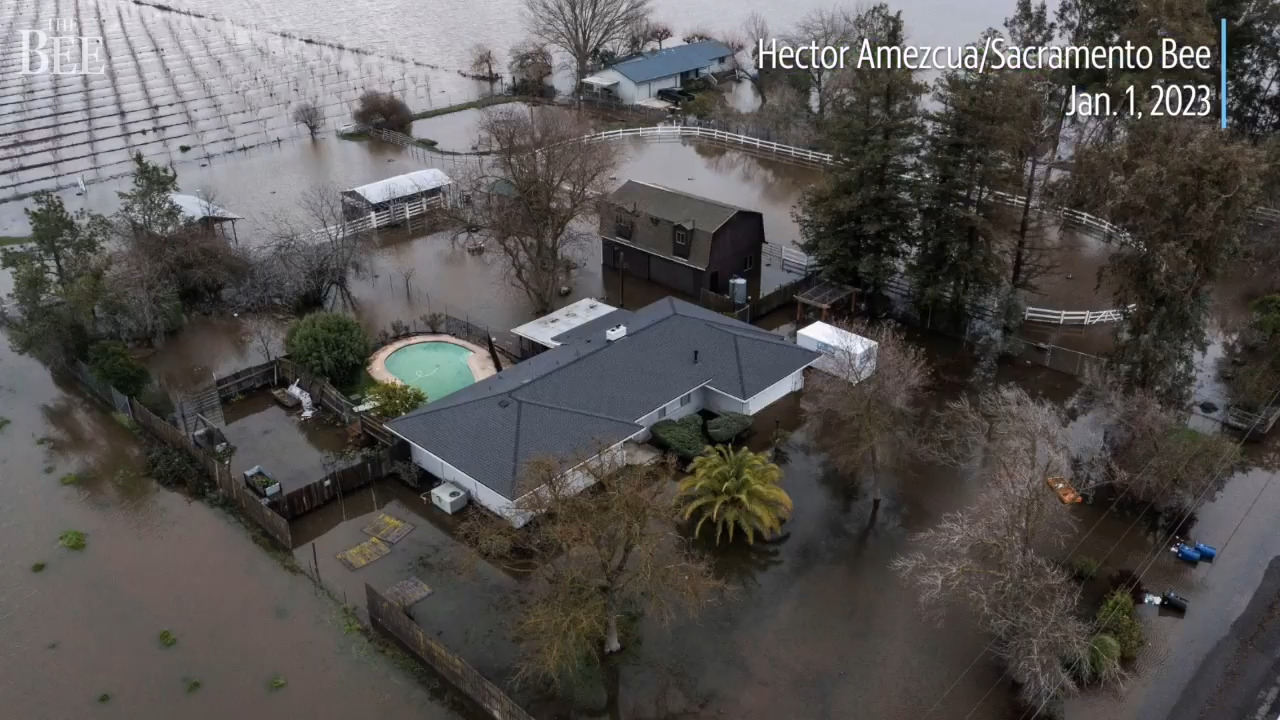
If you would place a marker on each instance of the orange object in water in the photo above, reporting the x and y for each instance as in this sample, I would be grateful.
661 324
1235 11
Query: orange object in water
1066 493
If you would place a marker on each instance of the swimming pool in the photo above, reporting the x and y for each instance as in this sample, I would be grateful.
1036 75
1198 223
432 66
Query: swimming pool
435 367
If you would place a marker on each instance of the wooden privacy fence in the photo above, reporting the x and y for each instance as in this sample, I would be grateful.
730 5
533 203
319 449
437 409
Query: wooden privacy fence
391 619
762 305
239 495
335 485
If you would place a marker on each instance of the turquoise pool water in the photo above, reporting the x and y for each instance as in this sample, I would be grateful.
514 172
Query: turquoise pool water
436 368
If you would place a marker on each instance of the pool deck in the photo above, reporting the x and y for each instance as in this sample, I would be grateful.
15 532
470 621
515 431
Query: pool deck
479 361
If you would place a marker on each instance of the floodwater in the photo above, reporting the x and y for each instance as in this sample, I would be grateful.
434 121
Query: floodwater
192 79
87 626
443 34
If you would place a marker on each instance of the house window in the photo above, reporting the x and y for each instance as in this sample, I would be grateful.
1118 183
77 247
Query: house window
686 399
680 244
662 412
749 263
623 227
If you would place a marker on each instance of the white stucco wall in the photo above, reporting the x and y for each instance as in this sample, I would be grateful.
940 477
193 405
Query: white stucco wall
775 392
718 402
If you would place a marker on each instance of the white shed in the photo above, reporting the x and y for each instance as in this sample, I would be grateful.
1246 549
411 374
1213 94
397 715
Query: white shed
843 353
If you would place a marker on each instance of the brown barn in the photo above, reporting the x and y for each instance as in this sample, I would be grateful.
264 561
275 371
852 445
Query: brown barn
681 241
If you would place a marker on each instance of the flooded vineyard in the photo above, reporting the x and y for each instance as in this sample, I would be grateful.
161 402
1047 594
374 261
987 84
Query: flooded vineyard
174 87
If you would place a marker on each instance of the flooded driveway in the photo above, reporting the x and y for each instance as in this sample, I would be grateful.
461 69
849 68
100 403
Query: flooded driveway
85 628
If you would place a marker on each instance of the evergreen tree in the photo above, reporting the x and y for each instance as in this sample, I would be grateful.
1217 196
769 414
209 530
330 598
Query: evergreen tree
958 264
860 223
1186 214
147 208
56 281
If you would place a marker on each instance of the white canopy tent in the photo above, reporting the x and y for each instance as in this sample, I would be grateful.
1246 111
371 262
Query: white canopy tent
844 354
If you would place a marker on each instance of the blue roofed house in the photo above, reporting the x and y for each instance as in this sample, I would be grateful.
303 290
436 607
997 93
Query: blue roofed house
601 383
637 79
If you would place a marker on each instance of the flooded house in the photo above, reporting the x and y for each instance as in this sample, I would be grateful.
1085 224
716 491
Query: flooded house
678 240
637 80
400 196
605 382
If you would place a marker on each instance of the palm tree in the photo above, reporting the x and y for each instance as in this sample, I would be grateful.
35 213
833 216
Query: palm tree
737 490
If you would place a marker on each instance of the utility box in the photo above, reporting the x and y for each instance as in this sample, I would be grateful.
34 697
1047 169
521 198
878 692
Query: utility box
449 498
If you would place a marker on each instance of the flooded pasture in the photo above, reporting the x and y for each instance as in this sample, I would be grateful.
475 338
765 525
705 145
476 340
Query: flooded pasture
81 635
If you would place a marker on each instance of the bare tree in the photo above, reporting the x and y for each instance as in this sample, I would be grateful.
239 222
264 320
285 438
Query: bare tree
309 116
989 556
827 28
138 302
483 60
755 31
660 32
537 193
309 260
1151 453
1026 602
865 409
592 555
266 334
583 28
531 62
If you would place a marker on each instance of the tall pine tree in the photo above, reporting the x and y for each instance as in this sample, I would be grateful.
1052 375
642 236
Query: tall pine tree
958 264
860 223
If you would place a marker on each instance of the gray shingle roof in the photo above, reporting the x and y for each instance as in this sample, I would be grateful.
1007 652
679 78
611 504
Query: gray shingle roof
693 211
589 392
672 61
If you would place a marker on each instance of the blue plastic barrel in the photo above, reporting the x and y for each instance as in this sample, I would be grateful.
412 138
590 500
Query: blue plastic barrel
1187 553
1207 552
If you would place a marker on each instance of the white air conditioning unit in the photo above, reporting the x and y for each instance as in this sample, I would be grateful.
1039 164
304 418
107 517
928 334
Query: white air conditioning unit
616 332
449 498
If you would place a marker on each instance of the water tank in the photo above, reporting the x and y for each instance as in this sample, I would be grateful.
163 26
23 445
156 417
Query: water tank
1207 552
449 497
738 290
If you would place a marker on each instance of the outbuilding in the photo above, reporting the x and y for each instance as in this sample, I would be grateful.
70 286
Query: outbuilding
844 354
639 78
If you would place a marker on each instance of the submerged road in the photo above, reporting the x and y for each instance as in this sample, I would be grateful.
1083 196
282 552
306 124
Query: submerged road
1240 678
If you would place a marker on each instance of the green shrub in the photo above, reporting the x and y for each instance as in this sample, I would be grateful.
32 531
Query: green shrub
331 345
72 540
172 468
726 427
1116 618
396 399
70 479
112 363
1083 568
37 567
683 437
168 639
1102 658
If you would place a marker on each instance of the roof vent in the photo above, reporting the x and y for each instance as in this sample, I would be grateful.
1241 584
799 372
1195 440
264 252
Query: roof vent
503 402
616 332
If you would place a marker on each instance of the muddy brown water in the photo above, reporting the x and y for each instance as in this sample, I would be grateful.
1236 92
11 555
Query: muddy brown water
88 624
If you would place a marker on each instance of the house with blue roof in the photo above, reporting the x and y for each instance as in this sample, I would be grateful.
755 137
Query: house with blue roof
638 79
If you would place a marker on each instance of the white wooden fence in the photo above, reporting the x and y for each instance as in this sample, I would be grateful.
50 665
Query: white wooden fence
1106 230
393 215
788 258
1074 317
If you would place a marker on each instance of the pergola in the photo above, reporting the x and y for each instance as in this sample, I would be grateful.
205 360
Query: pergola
823 296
